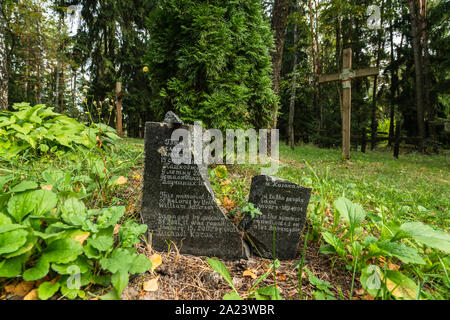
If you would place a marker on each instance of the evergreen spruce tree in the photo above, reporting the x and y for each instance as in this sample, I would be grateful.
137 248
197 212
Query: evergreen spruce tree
210 61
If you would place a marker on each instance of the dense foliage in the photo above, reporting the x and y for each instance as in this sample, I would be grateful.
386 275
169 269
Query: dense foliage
209 61
39 130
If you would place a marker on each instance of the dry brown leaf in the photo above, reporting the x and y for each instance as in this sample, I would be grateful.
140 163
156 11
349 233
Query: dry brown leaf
250 273
81 238
151 285
156 261
48 188
360 292
32 295
116 228
225 183
368 297
228 203
21 289
393 266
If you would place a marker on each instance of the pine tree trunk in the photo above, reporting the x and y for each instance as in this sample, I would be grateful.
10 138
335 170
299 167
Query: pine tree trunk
393 86
419 73
119 108
279 22
3 63
427 73
294 87
374 120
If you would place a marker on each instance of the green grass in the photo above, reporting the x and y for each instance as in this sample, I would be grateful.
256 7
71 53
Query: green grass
416 187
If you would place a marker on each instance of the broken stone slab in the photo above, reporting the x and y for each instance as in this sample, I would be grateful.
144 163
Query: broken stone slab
178 202
283 205
172 118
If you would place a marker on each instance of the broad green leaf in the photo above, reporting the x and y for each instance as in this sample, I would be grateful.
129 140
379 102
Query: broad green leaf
62 251
27 247
120 259
44 200
110 217
401 251
53 176
98 168
220 268
110 296
11 268
371 280
12 241
47 290
91 252
4 220
21 205
24 186
102 243
140 264
40 270
353 213
74 212
119 281
270 291
334 241
232 296
320 284
401 286
10 227
426 235
65 269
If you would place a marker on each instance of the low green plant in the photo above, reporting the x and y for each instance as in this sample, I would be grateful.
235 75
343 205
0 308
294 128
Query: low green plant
255 292
52 233
43 131
251 210
322 291
355 247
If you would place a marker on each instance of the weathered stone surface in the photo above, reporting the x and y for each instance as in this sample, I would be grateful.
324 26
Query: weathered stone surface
283 204
172 118
178 202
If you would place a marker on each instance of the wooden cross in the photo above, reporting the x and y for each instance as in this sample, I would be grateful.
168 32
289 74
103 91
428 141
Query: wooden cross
346 78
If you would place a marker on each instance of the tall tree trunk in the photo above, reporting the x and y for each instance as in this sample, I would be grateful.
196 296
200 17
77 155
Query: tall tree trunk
294 87
427 73
3 62
314 52
374 121
419 72
119 96
394 84
279 22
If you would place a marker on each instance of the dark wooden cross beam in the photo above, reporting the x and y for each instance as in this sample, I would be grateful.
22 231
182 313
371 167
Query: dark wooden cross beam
346 78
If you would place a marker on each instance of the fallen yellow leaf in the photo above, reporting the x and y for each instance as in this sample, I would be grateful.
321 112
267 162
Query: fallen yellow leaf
120 181
32 295
81 238
250 273
151 285
156 261
393 266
